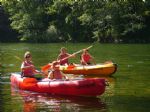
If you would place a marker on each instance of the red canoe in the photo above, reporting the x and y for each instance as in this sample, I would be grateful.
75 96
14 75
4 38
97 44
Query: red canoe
76 87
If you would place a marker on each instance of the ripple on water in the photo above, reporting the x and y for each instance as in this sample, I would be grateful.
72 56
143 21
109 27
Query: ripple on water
139 62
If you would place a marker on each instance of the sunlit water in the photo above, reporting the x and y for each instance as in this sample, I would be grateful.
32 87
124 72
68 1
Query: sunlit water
128 90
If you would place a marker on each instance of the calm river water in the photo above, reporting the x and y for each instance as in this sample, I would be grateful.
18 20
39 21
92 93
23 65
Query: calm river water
128 90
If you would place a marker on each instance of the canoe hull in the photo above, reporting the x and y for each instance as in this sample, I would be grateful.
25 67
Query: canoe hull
100 69
82 87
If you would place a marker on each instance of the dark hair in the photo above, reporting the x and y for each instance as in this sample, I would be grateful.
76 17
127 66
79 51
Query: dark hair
28 56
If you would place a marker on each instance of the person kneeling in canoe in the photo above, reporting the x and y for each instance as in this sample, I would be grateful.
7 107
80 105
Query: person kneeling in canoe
86 58
27 67
55 73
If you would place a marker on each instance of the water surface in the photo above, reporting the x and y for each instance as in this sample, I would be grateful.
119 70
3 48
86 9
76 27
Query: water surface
128 91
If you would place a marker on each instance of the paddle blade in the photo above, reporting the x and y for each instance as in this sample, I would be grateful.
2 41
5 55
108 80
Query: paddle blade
70 67
46 67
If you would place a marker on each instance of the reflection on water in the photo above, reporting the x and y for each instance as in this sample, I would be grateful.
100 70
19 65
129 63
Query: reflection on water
110 88
35 102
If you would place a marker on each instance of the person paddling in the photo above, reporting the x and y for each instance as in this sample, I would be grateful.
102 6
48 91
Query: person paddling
63 56
27 66
55 73
86 58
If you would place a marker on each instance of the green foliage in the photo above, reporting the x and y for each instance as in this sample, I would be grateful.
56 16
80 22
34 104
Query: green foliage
80 21
52 34
6 33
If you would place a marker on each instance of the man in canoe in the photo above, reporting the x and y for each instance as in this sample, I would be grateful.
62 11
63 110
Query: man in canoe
86 58
64 56
55 73
27 67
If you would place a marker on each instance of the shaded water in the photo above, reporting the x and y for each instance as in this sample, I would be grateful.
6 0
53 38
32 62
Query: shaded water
128 91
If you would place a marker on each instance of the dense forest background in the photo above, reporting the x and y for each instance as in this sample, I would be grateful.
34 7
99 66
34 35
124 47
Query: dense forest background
104 21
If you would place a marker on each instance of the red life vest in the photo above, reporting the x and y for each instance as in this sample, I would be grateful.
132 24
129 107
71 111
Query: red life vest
63 62
28 72
57 74
86 58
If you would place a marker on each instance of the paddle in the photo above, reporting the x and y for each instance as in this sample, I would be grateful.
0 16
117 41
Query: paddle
18 58
46 67
75 53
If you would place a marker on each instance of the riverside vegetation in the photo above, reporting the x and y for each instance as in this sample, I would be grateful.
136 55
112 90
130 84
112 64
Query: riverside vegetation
104 21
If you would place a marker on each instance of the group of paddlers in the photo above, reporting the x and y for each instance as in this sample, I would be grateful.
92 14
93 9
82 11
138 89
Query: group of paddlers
28 68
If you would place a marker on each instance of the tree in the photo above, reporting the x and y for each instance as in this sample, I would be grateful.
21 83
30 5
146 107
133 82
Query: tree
7 34
28 18
80 21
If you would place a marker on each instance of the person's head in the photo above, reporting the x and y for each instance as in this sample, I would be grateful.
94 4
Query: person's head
85 51
54 64
63 50
27 55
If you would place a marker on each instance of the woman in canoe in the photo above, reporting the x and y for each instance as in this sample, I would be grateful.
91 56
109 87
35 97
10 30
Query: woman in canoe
55 73
63 56
27 67
86 58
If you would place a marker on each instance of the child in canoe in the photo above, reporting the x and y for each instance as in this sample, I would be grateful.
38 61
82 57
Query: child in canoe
62 59
86 58
27 67
55 73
